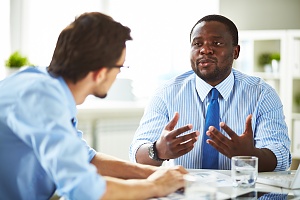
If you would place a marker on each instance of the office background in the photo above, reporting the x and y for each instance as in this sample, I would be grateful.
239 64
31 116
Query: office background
160 49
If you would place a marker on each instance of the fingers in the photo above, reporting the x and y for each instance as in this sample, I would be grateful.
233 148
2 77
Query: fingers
183 138
218 140
248 128
228 130
173 134
185 147
183 144
173 143
187 140
237 144
181 169
167 181
170 126
185 150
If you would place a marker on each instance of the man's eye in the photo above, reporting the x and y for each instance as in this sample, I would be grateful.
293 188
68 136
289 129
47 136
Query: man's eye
196 44
218 43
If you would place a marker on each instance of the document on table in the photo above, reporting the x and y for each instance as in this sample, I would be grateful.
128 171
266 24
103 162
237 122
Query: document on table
222 179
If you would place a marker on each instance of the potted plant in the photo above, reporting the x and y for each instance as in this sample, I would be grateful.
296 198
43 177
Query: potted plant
15 61
275 58
264 60
297 102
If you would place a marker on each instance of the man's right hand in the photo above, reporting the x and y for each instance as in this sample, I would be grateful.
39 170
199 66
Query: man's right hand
170 145
168 180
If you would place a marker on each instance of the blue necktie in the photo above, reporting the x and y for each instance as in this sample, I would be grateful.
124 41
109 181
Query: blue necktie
210 154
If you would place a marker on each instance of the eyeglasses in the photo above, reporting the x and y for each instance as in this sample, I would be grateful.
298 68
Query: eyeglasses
120 66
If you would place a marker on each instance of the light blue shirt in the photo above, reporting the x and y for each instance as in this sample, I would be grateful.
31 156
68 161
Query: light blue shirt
40 149
241 95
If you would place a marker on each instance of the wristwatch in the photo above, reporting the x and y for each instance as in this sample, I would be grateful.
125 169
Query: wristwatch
153 152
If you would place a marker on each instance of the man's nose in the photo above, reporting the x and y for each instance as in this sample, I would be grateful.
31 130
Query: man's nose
206 49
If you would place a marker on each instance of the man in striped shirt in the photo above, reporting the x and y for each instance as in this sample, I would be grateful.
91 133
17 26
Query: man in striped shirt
251 112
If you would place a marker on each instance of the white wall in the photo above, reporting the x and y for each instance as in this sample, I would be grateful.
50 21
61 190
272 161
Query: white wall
5 35
262 14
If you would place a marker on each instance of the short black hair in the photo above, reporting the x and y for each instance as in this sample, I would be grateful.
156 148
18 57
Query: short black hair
93 40
224 20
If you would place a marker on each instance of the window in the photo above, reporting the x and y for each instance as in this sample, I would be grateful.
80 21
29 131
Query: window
160 31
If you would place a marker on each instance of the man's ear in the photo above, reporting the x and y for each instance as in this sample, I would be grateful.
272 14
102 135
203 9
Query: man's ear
236 52
100 74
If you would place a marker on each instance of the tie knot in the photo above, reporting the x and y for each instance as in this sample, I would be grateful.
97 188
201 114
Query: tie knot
214 93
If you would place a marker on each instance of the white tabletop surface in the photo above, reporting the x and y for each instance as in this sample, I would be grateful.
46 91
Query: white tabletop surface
226 191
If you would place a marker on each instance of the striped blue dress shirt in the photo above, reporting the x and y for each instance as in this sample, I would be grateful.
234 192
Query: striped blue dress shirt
240 95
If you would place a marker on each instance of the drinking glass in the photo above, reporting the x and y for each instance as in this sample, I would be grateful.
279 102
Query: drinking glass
244 170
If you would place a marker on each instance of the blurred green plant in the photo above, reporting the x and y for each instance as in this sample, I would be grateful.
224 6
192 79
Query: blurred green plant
297 99
275 56
16 60
264 59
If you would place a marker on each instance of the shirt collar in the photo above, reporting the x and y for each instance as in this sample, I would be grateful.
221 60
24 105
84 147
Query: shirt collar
69 95
71 100
225 87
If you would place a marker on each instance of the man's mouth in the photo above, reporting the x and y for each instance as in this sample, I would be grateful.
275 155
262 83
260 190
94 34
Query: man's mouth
205 62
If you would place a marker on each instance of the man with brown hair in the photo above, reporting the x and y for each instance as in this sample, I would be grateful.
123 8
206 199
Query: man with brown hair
41 150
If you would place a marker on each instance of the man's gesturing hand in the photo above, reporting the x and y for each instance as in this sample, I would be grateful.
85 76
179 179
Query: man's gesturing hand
235 145
170 145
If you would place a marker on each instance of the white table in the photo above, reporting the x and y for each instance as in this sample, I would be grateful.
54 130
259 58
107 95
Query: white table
226 191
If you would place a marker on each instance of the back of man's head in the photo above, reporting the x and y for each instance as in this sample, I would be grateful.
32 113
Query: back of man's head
90 42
